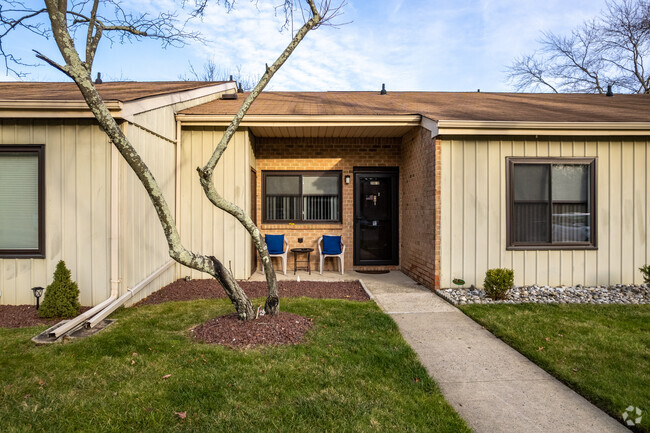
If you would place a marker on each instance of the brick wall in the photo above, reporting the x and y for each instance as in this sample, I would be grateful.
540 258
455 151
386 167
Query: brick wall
418 193
323 154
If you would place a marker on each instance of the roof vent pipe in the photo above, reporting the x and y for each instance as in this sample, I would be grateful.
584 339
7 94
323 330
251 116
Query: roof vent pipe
609 90
231 78
98 80
383 89
240 88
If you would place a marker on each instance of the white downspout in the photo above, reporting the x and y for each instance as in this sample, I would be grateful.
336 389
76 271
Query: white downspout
126 296
115 222
177 197
114 238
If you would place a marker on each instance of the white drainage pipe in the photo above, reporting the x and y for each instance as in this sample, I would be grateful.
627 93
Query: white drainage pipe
97 318
73 323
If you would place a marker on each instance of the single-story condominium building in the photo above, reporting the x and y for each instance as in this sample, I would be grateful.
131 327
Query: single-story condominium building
438 185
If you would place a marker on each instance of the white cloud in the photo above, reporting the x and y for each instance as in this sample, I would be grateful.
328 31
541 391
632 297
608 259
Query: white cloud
414 45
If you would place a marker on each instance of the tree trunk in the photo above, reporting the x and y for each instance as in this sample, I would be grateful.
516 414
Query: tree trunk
272 305
245 310
80 73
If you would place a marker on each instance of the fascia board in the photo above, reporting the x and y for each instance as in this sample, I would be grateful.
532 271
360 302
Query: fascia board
49 109
142 105
52 109
466 127
301 120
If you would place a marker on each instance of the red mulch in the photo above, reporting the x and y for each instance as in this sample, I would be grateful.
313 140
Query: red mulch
228 330
181 290
21 316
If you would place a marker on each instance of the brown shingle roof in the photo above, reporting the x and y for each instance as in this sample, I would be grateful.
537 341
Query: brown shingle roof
525 107
115 91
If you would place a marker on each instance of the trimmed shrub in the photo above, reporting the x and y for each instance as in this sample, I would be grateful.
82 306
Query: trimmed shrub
498 282
645 270
62 296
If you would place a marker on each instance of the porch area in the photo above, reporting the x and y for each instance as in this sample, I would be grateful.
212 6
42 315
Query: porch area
376 192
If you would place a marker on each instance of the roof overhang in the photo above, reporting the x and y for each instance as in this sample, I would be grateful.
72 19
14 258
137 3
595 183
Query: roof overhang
312 126
47 109
472 127
52 109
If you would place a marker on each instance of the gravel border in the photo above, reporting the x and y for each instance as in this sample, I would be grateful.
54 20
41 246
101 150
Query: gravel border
595 295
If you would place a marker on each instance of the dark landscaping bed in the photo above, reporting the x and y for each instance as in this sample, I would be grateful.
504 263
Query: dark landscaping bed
21 316
181 290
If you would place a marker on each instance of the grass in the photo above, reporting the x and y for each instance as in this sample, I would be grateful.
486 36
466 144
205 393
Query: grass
601 351
354 373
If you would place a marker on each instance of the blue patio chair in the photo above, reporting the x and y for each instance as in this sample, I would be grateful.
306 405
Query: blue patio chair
276 246
333 246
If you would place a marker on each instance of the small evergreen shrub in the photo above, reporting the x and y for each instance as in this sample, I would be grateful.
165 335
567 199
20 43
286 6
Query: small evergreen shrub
498 282
645 270
62 296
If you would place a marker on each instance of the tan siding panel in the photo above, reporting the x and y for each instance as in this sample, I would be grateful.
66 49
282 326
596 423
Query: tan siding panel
640 210
470 238
204 228
482 208
161 121
76 203
143 247
470 212
492 185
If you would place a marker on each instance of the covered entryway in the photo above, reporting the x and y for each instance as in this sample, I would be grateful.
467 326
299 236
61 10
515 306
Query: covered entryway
376 225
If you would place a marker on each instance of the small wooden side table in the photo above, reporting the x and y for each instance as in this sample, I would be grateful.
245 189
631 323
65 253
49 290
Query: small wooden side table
297 251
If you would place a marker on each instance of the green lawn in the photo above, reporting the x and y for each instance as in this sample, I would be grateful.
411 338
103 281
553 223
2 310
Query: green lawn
601 351
354 373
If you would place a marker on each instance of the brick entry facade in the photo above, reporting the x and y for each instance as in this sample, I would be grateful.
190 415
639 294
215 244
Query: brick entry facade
414 154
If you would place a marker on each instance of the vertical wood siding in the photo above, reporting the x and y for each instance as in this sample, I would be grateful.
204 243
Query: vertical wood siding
77 209
473 214
142 245
204 228
161 120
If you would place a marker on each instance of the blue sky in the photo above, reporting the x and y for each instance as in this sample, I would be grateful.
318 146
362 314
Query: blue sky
444 45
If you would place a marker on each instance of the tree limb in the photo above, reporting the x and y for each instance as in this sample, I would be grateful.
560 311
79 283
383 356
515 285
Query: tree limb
205 173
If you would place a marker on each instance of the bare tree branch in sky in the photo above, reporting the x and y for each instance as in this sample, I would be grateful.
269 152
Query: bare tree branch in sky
609 50
95 19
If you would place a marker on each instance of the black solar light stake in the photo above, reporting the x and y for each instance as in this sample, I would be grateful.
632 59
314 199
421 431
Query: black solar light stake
38 291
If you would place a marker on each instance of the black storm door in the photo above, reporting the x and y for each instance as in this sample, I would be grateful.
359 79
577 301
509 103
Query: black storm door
376 217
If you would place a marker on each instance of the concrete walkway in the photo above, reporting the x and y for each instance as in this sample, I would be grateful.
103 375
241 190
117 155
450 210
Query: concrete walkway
492 386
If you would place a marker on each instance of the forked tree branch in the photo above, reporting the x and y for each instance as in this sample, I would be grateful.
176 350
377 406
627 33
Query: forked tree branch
206 173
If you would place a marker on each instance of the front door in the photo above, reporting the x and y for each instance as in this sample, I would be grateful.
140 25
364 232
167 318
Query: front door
375 217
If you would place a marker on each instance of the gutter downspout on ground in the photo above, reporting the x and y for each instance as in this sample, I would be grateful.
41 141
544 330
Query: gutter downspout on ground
97 318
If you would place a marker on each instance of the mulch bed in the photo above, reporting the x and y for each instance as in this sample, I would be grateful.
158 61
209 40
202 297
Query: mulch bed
21 316
228 330
181 290
287 328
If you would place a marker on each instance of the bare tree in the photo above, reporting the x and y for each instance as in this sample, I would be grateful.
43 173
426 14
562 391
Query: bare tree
609 50
98 18
213 72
